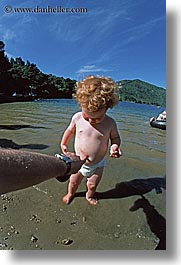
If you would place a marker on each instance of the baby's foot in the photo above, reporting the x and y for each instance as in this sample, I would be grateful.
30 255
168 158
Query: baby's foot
92 201
67 199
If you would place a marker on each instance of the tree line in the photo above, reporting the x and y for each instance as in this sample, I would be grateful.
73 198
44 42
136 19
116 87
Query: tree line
24 78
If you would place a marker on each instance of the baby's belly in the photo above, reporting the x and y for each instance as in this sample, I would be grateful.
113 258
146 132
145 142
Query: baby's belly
94 150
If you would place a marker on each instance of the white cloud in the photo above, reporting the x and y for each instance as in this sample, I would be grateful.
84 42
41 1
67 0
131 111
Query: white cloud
8 35
91 69
144 28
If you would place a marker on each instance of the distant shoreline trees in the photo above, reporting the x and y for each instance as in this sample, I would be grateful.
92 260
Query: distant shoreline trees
24 78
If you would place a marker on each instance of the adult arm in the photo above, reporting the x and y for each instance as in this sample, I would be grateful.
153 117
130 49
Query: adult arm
22 169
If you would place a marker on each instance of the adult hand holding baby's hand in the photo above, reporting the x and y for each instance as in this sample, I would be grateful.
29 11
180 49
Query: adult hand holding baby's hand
77 162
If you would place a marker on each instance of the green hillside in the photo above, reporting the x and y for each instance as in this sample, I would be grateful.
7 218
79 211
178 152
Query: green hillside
142 92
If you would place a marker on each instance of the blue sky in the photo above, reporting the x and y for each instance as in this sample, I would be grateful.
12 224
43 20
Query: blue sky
122 39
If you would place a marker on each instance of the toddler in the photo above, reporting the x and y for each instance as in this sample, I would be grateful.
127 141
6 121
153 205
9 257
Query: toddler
92 129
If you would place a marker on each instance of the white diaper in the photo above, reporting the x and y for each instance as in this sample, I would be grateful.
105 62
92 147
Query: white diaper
88 171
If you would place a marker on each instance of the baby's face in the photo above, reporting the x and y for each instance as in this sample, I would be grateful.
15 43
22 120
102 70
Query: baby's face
95 116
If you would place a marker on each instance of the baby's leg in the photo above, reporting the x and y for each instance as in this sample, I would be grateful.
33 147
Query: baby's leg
92 183
75 181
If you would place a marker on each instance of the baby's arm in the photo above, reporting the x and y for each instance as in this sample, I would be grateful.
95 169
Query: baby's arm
68 134
115 151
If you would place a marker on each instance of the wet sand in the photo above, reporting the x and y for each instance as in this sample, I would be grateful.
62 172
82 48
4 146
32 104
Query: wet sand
36 218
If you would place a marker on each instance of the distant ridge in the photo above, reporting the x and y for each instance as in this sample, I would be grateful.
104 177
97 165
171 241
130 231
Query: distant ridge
142 92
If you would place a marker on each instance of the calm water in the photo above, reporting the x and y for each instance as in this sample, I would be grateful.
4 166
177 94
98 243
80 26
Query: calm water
38 126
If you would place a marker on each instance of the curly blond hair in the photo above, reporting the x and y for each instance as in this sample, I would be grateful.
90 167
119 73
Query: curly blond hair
96 92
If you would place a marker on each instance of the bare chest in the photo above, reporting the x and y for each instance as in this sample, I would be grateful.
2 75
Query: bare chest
88 131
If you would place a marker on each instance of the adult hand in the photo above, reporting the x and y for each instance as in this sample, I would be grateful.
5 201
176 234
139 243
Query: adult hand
75 165
22 169
76 161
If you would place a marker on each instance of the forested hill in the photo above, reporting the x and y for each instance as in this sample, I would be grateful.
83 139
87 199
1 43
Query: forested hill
24 78
142 92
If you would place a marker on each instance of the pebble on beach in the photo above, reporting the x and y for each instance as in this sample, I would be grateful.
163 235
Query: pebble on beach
67 241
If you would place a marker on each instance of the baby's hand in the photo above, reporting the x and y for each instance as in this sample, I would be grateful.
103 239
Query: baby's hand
64 148
115 152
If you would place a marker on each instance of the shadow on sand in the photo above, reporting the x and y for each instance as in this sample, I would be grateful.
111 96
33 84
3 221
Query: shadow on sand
19 126
156 222
6 143
130 188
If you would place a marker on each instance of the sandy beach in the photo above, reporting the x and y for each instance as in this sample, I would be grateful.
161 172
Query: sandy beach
36 218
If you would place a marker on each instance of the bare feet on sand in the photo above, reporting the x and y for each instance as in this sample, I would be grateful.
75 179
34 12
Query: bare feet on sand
92 201
67 199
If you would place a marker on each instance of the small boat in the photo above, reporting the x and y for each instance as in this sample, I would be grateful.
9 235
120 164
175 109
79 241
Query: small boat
160 124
